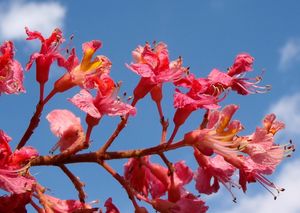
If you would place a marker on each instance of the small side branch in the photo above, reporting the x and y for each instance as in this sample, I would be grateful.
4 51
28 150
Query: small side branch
94 157
34 122
122 181
119 128
76 182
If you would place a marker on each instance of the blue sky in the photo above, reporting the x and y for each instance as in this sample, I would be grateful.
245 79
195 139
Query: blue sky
207 34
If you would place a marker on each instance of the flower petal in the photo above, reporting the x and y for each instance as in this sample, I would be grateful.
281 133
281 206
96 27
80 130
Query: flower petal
84 101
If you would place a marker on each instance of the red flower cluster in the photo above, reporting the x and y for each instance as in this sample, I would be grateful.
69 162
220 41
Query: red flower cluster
219 148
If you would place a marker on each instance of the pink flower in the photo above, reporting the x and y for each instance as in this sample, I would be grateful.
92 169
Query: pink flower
154 66
106 101
146 177
250 172
260 145
64 206
234 79
183 172
12 165
186 204
48 54
220 134
11 72
65 125
211 172
110 207
202 94
254 172
261 148
181 176
82 73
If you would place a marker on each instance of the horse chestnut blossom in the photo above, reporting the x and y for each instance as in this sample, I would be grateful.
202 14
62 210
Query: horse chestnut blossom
155 68
224 157
106 101
65 125
13 164
11 71
205 92
81 74
48 53
212 172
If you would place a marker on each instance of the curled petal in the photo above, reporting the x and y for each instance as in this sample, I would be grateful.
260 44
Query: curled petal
65 206
61 120
70 63
34 35
110 207
243 63
118 108
218 77
203 101
84 101
91 46
225 117
12 182
183 172
141 69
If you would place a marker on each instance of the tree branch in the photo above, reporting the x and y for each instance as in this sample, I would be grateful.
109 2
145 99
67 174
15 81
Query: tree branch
76 182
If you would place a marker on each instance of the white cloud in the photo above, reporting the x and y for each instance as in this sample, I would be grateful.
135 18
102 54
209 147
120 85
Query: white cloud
288 201
287 109
41 16
289 54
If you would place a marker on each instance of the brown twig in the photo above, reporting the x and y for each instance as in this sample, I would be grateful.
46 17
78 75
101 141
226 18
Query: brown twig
49 96
122 181
35 119
94 157
115 134
40 195
165 125
117 131
175 130
168 164
34 122
76 182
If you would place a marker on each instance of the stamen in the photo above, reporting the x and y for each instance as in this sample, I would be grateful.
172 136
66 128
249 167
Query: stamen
275 197
268 182
228 188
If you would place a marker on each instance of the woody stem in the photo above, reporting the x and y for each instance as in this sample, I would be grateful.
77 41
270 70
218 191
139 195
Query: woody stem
42 87
34 122
94 157
122 181
117 131
175 130
76 182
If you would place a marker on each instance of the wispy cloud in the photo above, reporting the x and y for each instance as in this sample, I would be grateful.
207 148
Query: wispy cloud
41 16
288 201
287 109
289 54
